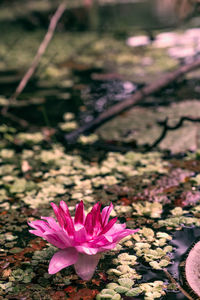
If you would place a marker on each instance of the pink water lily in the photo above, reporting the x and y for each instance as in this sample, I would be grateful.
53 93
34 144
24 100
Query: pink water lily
80 239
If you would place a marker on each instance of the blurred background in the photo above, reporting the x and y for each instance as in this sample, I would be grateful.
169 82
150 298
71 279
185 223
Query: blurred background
102 52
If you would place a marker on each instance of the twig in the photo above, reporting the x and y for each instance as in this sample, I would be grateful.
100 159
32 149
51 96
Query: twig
167 127
133 100
23 123
54 20
171 278
52 26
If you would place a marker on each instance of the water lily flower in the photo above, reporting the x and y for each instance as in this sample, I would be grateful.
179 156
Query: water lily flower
80 239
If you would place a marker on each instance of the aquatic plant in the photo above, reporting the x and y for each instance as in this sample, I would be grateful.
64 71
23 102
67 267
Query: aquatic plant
80 239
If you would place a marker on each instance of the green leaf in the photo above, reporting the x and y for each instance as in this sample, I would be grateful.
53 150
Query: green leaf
104 297
134 292
112 286
121 289
108 291
116 297
126 282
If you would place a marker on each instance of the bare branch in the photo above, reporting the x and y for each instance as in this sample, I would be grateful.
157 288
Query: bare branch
54 20
167 127
171 278
133 100
23 123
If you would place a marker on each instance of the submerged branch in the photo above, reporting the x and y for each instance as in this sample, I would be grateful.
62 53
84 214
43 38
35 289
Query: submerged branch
171 278
133 100
167 128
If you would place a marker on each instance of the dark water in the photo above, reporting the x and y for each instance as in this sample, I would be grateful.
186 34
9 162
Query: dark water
116 16
95 95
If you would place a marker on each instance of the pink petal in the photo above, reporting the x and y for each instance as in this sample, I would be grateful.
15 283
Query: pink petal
66 240
117 227
96 219
100 241
63 217
79 215
36 232
101 244
93 220
52 223
69 242
97 223
40 225
64 211
96 210
85 249
68 223
86 265
88 224
80 235
55 240
107 247
63 259
41 228
106 214
95 207
117 236
109 225
64 207
57 214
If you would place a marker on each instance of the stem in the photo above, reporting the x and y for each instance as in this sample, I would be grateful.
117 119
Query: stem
171 278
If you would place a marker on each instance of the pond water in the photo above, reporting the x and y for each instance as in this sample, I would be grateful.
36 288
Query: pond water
84 85
99 56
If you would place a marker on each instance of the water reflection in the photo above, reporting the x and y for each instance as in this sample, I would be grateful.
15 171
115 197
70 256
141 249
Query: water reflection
106 15
146 14
171 10
105 93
